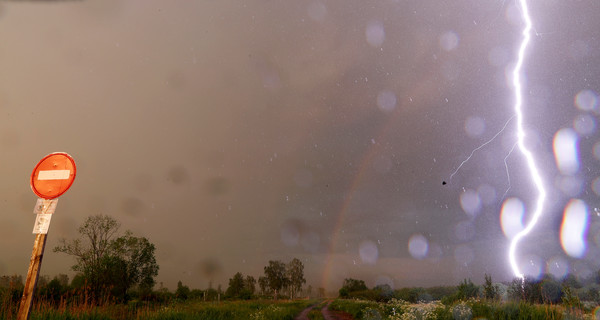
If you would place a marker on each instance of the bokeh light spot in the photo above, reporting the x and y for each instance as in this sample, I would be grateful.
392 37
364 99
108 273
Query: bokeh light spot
586 100
474 126
558 267
532 266
375 34
470 202
386 101
511 217
565 151
368 252
418 246
574 227
449 40
584 124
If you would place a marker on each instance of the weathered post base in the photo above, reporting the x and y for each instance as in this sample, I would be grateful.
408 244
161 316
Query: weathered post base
32 276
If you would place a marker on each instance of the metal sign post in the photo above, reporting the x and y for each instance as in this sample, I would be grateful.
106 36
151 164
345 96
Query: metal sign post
51 177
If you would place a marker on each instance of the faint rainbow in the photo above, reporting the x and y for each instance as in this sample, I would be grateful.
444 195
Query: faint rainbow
364 165
342 214
420 87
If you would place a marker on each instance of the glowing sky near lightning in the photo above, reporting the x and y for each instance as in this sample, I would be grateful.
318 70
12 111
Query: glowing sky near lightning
231 133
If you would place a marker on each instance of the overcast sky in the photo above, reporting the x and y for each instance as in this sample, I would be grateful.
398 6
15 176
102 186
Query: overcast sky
231 133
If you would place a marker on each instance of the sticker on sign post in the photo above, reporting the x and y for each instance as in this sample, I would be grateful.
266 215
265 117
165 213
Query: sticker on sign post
42 223
45 206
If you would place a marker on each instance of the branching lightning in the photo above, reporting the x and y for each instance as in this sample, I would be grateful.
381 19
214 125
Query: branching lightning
518 113
506 167
481 146
533 170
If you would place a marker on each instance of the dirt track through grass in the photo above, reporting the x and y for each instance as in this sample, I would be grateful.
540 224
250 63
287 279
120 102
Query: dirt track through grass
327 314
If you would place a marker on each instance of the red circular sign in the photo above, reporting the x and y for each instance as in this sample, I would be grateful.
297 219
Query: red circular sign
53 175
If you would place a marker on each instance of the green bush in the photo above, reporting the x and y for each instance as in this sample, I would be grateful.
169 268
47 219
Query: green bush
356 308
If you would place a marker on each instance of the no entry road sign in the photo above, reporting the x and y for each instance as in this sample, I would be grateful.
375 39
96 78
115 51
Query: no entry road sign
53 175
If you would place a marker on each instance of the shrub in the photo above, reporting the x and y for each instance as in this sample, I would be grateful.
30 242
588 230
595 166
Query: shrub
462 311
356 308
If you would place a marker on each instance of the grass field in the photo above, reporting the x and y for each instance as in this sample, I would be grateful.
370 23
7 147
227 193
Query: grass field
256 310
285 309
467 310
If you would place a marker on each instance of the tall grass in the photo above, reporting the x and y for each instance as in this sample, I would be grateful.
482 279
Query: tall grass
471 309
84 310
256 310
356 308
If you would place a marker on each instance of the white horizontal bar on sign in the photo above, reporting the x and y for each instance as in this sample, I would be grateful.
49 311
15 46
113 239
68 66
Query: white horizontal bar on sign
54 174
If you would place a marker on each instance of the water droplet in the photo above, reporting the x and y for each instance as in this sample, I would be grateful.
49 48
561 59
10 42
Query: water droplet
418 246
449 41
375 34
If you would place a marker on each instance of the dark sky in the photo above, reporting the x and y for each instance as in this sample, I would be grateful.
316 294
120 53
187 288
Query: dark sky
231 133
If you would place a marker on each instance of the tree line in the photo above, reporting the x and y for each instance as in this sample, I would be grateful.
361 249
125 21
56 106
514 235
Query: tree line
279 279
113 267
548 289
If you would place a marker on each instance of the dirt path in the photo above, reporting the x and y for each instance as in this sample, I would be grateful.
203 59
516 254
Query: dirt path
304 314
327 314
334 315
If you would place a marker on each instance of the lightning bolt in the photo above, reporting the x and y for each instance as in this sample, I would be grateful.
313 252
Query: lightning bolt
533 170
481 146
